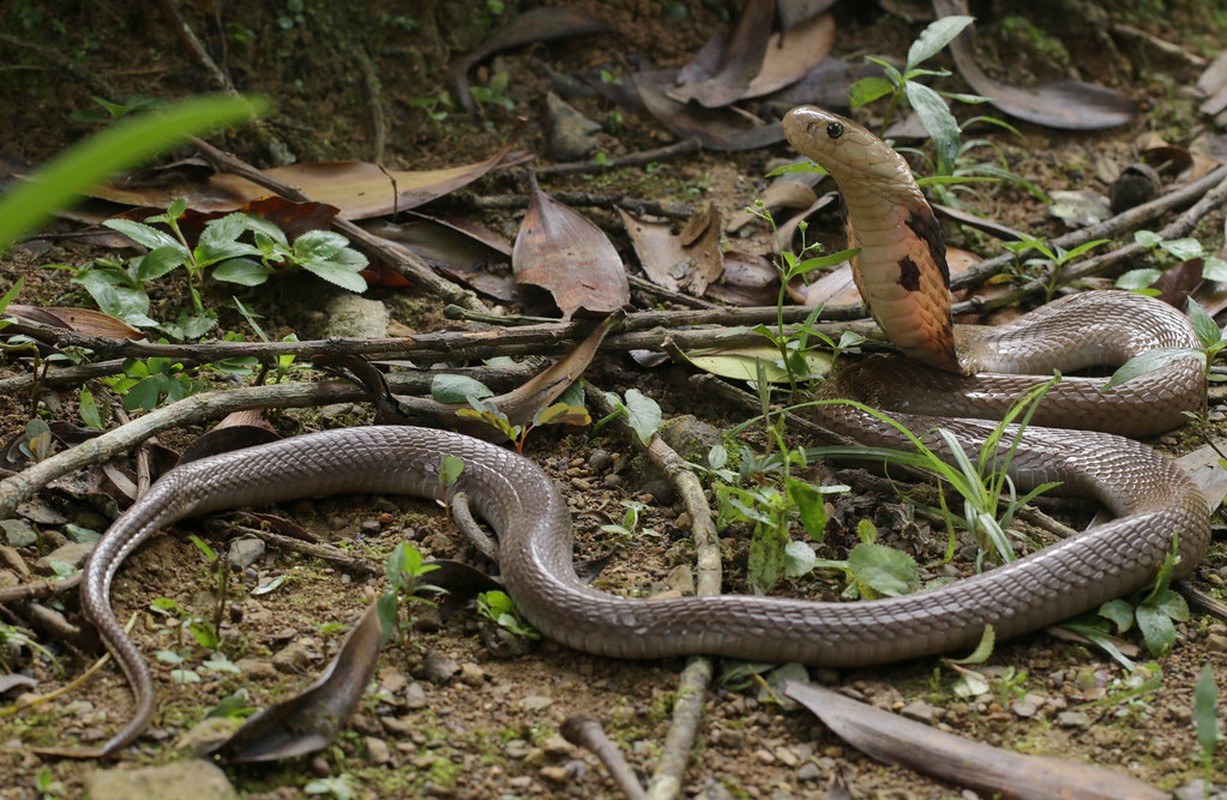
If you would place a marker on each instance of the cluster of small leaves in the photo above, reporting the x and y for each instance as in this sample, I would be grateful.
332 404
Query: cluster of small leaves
405 568
1179 250
497 607
487 412
628 528
874 570
929 105
1050 262
37 444
149 383
224 250
1211 338
1156 612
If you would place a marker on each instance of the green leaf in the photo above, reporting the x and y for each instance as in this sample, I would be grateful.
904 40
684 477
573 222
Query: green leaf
1156 627
983 650
933 38
866 90
193 324
450 468
1138 279
811 507
338 274
1214 269
1184 249
123 145
883 569
562 414
643 414
159 261
318 245
242 271
204 634
387 607
146 235
458 389
1205 711
938 121
1152 360
87 407
799 559
1119 612
122 302
1203 324
1147 238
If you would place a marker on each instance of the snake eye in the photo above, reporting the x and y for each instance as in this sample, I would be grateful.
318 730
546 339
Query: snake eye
835 130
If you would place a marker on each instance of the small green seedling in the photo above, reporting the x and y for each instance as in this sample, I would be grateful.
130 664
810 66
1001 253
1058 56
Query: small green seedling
405 568
497 607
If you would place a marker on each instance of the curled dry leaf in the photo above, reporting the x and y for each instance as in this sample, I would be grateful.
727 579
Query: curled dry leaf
749 279
359 189
538 25
893 739
690 260
722 129
561 251
84 321
780 194
460 249
1069 105
309 721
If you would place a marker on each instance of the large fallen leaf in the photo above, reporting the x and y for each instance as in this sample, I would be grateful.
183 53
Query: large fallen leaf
309 721
723 129
1069 105
79 320
561 251
538 25
358 188
741 363
895 740
461 249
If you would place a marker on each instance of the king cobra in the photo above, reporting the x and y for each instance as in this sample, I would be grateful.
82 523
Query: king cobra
903 276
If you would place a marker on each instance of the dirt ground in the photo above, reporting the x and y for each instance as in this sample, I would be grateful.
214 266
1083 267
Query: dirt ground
491 729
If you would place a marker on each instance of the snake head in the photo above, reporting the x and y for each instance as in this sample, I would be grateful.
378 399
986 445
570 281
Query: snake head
846 150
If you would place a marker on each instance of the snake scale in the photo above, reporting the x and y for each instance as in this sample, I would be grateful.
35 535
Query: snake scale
903 277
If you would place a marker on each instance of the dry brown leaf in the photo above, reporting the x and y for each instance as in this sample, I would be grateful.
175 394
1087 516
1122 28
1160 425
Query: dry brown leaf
780 194
85 321
701 241
358 188
721 71
1068 105
660 251
893 739
720 129
561 251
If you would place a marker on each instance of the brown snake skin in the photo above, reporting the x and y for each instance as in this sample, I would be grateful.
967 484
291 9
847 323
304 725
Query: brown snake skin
1152 498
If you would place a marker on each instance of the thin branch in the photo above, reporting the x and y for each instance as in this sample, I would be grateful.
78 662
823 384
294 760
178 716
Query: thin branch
683 148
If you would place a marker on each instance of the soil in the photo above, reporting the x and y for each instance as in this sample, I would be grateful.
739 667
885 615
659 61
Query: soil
492 729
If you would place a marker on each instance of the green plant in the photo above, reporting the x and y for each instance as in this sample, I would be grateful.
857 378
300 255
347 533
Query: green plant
1169 251
37 444
1052 262
794 346
150 383
12 637
1155 610
497 607
928 104
489 413
642 413
405 568
626 529
494 93
125 144
874 570
990 499
47 786
338 786
118 287
1205 720
135 103
1212 341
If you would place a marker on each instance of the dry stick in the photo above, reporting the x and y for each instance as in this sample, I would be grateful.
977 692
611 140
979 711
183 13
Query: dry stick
586 732
682 148
689 329
192 44
1125 221
635 205
400 259
38 590
697 675
194 409
324 552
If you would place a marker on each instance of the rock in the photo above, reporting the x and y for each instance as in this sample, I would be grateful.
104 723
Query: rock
18 532
438 669
808 772
472 675
256 668
1028 706
191 779
245 551
920 711
351 316
295 657
681 579
207 734
535 702
415 696
71 553
557 747
517 748
600 460
11 558
1073 719
377 750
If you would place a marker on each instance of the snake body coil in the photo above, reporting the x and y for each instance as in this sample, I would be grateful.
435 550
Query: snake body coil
1152 498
